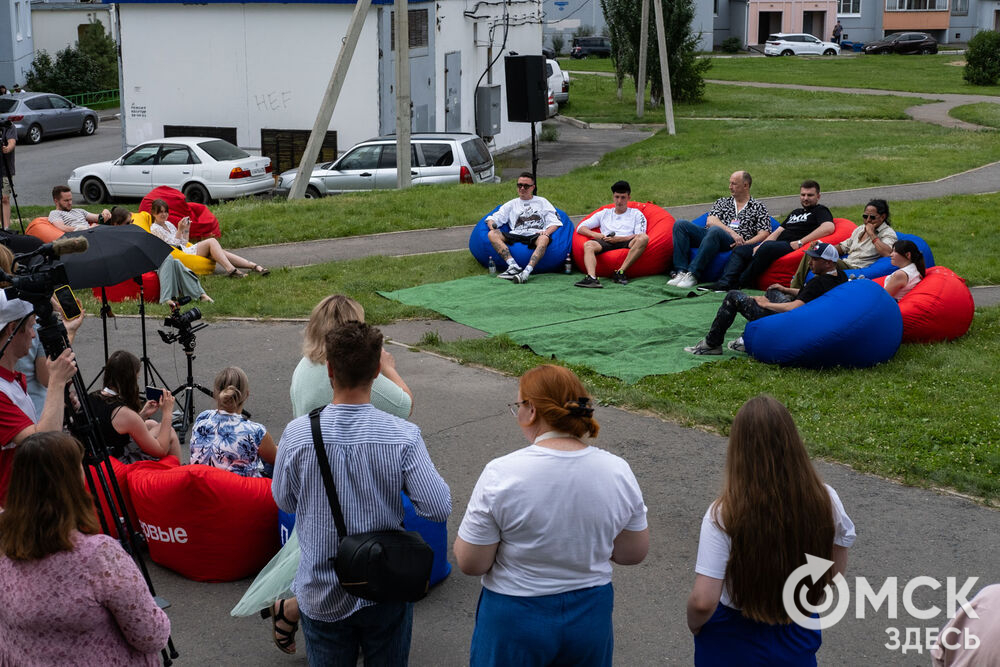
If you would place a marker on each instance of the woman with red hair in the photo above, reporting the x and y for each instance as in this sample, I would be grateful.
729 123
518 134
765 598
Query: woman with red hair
542 528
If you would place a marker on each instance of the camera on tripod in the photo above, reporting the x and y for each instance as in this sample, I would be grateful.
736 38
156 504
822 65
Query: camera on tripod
182 321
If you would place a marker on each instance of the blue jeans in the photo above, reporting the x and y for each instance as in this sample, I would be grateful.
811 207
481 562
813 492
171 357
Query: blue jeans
381 631
572 628
710 242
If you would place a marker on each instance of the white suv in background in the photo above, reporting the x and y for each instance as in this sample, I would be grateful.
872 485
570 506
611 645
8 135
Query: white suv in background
454 157
798 44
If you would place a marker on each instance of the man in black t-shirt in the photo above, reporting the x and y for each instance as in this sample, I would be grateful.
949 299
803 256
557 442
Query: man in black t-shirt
778 299
810 222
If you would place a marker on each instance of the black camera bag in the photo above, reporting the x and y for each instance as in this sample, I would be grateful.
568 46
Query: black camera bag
381 565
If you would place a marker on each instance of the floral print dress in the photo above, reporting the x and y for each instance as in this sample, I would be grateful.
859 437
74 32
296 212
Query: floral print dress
227 441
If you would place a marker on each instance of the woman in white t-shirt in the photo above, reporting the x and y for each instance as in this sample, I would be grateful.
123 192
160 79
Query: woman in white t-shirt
909 261
772 511
543 526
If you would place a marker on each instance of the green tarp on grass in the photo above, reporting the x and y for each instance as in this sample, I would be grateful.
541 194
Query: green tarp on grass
626 332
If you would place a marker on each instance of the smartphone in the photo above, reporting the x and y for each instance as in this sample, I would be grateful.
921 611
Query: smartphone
68 304
154 394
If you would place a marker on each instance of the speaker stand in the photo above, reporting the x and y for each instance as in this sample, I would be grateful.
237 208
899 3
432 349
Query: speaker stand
534 158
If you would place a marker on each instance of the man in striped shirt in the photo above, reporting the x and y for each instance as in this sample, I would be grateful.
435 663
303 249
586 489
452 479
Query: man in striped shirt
373 456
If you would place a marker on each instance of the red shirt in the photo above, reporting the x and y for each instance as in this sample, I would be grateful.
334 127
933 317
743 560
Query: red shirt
12 421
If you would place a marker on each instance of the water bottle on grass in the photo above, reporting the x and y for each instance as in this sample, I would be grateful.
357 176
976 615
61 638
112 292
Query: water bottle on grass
492 267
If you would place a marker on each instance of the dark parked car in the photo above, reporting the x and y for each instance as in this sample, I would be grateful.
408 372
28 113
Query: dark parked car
43 114
591 46
903 42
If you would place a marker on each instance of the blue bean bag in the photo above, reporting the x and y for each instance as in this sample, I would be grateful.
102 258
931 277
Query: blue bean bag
856 325
883 265
714 270
553 259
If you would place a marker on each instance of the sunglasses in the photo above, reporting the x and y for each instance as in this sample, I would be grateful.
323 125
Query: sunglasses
865 216
513 407
524 186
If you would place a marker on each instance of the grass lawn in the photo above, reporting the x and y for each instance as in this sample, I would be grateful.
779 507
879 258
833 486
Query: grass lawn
923 417
983 113
920 74
594 99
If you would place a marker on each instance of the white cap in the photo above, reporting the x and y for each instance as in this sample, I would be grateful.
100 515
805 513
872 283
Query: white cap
11 310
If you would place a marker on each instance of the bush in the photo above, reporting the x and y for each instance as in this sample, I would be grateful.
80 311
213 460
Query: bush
731 45
558 42
90 65
982 59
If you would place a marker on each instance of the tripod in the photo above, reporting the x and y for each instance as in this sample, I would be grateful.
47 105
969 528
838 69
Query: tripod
97 460
6 173
187 338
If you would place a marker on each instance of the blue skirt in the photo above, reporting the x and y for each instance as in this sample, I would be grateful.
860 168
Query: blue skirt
730 638
572 628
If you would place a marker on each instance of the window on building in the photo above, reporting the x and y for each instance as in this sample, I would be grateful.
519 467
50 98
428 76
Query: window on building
848 7
960 7
916 5
418 29
285 147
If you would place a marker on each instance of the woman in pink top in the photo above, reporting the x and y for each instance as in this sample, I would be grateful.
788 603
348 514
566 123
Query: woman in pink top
69 595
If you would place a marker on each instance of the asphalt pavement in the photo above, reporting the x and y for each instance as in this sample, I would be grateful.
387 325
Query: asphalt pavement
902 531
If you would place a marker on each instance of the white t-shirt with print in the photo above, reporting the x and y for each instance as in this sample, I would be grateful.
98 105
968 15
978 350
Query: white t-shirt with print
632 221
555 515
527 218
714 544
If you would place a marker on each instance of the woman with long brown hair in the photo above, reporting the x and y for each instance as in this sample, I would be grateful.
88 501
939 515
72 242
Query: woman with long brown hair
542 528
772 511
70 595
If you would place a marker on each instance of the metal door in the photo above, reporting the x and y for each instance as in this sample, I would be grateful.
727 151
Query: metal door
453 91
422 76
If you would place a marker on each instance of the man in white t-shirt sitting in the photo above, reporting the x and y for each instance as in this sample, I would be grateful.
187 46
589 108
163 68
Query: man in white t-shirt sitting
613 229
70 219
530 220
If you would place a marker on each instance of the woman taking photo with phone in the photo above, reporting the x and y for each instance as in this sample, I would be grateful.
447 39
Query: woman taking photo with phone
70 595
126 422
177 236
772 511
542 528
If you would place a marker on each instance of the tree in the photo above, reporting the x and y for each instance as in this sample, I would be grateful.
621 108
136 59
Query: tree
558 42
89 65
982 59
624 18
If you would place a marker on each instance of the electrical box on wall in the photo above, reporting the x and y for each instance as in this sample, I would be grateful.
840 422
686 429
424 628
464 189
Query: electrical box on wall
488 110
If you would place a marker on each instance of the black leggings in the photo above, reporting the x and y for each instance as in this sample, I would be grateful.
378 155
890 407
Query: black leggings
19 243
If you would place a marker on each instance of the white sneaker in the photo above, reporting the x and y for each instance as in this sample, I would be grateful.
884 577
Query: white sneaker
521 277
687 280
673 281
703 349
737 345
511 271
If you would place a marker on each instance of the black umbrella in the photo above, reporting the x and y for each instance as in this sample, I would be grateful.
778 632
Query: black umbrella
114 255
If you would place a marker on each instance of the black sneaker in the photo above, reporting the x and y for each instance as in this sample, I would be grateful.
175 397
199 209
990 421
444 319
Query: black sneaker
589 282
510 272
619 277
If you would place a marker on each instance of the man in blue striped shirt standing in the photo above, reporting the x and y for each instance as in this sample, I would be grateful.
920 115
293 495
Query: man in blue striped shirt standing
373 456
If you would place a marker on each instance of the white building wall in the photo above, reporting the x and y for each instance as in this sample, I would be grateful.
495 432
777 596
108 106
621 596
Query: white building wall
263 65
56 27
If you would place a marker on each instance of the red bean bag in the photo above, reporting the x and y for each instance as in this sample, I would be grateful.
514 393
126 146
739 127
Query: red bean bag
940 307
43 230
658 254
129 289
203 222
782 270
121 471
204 523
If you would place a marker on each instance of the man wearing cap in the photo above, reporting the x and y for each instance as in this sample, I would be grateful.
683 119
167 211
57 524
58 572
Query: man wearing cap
613 229
529 220
778 299
17 414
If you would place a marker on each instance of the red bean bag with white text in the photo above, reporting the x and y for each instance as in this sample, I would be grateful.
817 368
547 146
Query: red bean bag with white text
782 270
205 523
940 307
658 255
203 222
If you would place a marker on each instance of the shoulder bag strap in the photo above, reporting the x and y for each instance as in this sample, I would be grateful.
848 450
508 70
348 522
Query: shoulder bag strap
324 469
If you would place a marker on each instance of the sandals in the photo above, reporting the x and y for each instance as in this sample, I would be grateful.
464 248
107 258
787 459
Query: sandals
283 639
257 268
236 273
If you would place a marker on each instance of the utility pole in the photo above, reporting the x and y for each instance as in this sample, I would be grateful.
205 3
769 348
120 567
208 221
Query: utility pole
661 39
326 107
402 95
640 86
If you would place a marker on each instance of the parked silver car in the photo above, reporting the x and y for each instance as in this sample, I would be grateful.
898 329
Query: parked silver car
371 165
37 115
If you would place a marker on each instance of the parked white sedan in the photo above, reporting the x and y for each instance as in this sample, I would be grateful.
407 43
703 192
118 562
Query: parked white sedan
202 168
